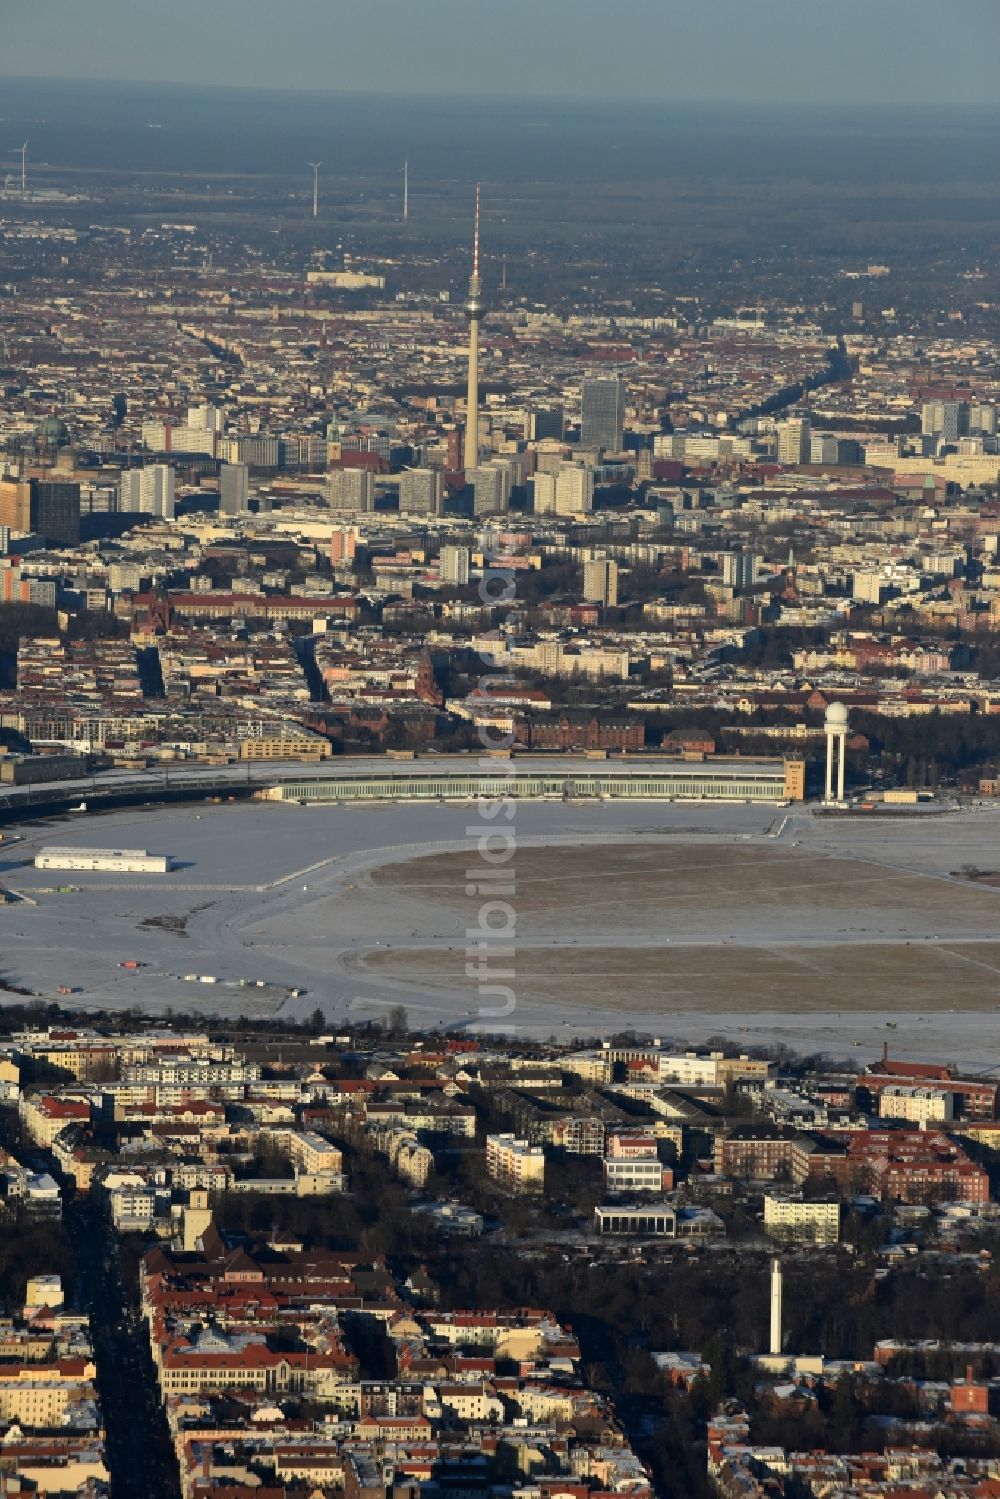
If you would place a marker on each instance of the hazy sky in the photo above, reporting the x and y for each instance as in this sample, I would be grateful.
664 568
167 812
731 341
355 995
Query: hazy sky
857 51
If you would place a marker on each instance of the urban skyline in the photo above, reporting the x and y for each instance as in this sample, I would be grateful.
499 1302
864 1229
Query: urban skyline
500 752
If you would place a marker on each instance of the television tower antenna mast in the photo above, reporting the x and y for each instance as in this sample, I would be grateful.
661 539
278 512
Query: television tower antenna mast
406 192
24 170
315 166
474 309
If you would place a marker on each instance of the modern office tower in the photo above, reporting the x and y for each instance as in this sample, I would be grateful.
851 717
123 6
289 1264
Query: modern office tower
421 491
983 418
474 309
351 489
454 565
823 447
541 422
15 504
602 413
794 437
491 489
600 582
148 491
55 511
739 569
574 489
945 420
234 489
544 489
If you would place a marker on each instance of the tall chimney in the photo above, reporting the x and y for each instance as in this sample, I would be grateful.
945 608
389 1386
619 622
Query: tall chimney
775 1308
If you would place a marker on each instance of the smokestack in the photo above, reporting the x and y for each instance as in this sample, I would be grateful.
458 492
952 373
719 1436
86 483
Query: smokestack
775 1308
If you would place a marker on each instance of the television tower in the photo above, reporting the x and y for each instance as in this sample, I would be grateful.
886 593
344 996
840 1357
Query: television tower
406 192
24 170
474 308
315 166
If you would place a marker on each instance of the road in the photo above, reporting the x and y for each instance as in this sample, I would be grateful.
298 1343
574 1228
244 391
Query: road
140 1458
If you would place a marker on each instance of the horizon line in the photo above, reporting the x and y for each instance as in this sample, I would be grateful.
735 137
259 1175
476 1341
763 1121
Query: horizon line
318 91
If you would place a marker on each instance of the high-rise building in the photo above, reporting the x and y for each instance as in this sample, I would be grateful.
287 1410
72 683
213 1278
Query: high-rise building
602 413
148 491
491 489
454 565
823 447
945 420
351 489
541 422
15 504
50 507
421 491
600 582
474 309
794 437
544 490
234 489
205 418
983 418
739 569
343 544
574 489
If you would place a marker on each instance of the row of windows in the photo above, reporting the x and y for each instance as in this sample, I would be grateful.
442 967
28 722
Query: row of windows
763 788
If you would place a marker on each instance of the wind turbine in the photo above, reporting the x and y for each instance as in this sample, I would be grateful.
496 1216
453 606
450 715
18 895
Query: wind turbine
315 166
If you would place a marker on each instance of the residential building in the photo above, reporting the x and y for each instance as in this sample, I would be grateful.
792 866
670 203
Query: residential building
421 491
515 1163
600 581
351 489
798 1220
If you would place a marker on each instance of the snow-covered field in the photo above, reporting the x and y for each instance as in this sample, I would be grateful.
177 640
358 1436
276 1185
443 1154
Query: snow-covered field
686 921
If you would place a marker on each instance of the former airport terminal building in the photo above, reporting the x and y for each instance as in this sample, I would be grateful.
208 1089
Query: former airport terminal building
454 779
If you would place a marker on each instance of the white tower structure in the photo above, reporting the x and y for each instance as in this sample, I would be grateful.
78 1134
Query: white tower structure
776 1284
406 192
24 170
836 750
474 308
315 166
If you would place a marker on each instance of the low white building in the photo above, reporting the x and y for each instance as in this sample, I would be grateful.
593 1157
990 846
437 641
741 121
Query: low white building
107 860
631 1176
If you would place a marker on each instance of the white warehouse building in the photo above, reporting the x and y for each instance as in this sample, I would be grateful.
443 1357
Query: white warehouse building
107 860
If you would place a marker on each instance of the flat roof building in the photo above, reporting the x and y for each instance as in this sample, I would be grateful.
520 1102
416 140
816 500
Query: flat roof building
108 860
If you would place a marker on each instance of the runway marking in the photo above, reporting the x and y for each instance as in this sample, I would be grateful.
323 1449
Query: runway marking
962 958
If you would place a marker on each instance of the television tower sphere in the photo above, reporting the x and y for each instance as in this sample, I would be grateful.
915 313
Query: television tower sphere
836 719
